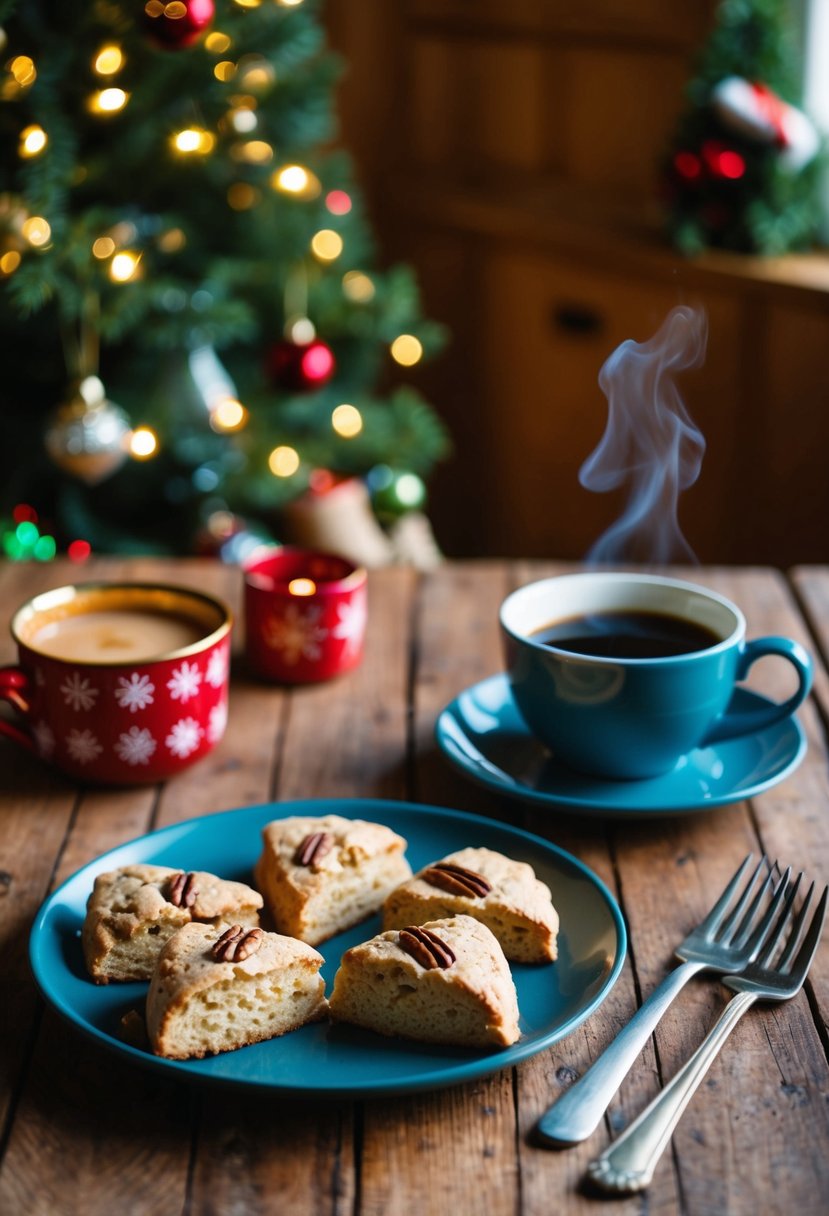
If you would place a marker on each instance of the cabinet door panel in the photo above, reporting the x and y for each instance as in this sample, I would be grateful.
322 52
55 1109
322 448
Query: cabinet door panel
548 329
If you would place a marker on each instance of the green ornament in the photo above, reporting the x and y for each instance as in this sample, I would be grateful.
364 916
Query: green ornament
395 491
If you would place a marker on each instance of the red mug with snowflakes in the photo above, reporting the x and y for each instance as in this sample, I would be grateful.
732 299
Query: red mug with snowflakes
119 683
305 614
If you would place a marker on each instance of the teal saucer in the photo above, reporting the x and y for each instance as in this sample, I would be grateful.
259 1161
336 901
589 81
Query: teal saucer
484 735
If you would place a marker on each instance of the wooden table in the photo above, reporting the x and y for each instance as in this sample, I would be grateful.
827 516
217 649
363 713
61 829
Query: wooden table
85 1131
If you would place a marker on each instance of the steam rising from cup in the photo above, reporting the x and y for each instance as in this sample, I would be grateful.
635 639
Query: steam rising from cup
650 443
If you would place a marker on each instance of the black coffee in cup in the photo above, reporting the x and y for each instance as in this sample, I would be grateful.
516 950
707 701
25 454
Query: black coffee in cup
627 634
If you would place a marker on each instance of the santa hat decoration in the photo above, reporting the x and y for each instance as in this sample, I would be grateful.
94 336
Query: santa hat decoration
754 111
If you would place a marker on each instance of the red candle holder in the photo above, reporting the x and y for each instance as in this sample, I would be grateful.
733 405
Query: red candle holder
305 614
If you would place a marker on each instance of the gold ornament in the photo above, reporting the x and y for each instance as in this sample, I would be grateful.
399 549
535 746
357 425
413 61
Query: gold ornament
88 436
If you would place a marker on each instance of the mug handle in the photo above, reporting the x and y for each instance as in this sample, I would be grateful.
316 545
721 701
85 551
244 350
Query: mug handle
14 685
731 725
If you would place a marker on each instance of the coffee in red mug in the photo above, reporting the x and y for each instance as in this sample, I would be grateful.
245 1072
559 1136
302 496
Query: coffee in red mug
119 683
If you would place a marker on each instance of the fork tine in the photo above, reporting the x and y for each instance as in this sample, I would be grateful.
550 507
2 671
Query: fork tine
739 935
715 917
783 920
797 928
807 951
752 946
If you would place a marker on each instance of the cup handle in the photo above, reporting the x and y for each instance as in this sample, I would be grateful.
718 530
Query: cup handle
14 685
731 725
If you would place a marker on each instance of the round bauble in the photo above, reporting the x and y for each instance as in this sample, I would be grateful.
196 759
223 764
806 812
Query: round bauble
300 367
178 23
88 436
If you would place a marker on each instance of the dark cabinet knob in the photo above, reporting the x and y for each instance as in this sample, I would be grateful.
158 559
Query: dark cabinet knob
578 319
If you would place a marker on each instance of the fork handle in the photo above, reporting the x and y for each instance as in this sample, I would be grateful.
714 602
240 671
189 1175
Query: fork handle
628 1164
577 1113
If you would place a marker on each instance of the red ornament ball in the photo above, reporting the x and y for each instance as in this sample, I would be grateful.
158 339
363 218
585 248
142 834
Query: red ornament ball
300 366
177 23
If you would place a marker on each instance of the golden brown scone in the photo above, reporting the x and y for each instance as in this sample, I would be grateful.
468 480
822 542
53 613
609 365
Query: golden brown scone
322 875
503 894
217 989
133 911
443 982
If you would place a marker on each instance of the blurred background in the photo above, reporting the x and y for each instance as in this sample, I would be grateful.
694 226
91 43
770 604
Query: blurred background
346 273
514 154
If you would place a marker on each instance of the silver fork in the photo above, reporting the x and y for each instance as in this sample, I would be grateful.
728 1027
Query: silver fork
628 1164
724 942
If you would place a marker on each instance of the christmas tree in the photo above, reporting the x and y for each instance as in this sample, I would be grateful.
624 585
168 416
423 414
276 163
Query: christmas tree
744 167
197 332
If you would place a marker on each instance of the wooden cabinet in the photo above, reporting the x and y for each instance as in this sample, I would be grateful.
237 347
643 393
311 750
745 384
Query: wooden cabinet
510 153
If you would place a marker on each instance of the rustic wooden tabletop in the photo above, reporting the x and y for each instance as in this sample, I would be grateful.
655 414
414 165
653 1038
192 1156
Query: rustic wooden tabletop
84 1130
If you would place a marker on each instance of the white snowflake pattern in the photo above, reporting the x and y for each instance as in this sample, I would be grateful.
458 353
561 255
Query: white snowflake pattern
136 745
216 673
297 633
135 693
78 692
217 722
184 737
83 746
351 624
184 682
44 738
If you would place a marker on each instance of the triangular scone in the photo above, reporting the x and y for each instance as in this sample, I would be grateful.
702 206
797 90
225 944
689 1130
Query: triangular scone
133 911
216 989
443 982
322 875
504 894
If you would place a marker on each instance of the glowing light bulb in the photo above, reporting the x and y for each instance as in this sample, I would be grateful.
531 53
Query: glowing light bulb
23 70
124 266
108 61
358 287
243 120
327 245
302 586
406 350
296 180
252 152
108 101
172 240
217 43
225 70
9 262
347 421
283 461
229 415
33 140
338 202
143 443
241 196
247 3
103 247
37 231
193 140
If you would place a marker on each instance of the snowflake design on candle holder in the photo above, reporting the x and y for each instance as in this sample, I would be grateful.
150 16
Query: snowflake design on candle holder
78 692
296 634
135 693
83 746
351 623
184 737
135 746
184 682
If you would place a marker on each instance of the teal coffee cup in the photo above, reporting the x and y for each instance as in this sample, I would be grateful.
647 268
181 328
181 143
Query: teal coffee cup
621 674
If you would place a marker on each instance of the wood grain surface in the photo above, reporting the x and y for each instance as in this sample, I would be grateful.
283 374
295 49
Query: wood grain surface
85 1131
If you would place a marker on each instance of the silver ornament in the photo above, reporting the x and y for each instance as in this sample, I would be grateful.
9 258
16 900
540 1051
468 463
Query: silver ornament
88 436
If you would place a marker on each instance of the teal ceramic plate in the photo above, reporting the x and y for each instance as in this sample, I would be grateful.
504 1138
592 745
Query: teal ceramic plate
339 1061
482 732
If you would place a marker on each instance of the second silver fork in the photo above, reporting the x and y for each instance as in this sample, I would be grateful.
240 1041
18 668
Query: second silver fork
725 941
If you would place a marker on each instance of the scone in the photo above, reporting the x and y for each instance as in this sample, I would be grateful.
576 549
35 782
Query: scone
322 875
216 989
504 894
133 911
443 982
